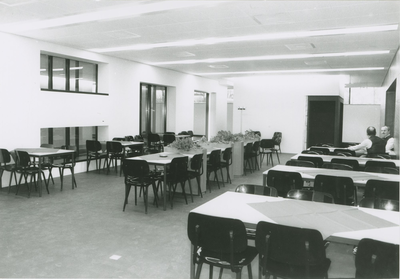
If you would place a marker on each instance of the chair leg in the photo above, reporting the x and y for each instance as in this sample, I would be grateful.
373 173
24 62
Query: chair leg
277 156
198 271
145 192
127 190
198 186
228 177
155 194
183 190
208 181
249 271
222 177
216 177
190 190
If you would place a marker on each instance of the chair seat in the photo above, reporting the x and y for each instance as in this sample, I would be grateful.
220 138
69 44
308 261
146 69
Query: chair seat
223 259
292 271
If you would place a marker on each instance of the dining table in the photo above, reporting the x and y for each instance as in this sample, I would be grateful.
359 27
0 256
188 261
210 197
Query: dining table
361 160
162 160
41 153
360 178
341 224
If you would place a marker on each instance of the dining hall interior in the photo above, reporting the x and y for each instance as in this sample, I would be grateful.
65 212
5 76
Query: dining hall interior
308 77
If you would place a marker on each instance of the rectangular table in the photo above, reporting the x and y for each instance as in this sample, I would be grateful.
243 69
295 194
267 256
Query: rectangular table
337 223
360 178
361 160
41 153
161 159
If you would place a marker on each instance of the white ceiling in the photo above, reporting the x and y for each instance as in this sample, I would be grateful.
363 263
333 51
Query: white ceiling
96 25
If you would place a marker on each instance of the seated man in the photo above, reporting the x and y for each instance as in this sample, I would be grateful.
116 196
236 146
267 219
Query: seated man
389 140
373 144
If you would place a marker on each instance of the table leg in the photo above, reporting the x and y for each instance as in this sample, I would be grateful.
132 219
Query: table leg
192 266
165 188
40 177
264 180
72 170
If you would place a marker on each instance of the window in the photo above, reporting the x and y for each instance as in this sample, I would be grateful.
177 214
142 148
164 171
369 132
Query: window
152 108
63 74
69 138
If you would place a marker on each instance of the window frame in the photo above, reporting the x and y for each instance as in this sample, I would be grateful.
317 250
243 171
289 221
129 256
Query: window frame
68 60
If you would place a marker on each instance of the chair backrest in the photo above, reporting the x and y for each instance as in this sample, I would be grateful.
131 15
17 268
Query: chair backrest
168 139
324 151
380 164
310 195
318 162
379 156
196 163
217 234
311 152
277 137
256 146
267 143
377 259
119 139
93 146
135 169
5 156
290 247
300 163
300 194
284 181
227 155
257 190
341 188
114 147
344 151
215 159
377 203
190 133
248 148
391 170
178 168
351 162
336 166
129 138
382 189
23 158
154 137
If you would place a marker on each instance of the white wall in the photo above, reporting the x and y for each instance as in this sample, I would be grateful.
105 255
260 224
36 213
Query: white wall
394 75
27 109
279 103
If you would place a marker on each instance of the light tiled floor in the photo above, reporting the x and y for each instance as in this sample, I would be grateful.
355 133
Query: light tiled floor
83 233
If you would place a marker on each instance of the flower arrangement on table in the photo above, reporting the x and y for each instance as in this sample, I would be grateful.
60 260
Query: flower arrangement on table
185 144
228 137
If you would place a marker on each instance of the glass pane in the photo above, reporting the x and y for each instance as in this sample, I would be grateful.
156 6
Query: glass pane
44 71
58 73
143 109
158 110
44 136
82 76
200 113
58 137
72 138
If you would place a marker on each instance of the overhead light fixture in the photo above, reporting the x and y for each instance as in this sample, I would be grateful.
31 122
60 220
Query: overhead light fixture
218 66
134 8
258 37
293 71
273 57
76 68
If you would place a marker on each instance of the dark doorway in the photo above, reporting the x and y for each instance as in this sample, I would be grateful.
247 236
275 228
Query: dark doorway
324 120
